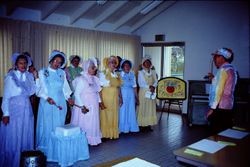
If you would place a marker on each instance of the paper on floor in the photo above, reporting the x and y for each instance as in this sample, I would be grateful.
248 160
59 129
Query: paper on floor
135 162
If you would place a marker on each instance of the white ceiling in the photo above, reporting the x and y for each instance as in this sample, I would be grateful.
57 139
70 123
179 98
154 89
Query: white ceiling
118 14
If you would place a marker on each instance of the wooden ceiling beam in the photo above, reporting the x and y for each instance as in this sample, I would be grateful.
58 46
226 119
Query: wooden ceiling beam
84 7
11 6
108 12
162 7
129 15
50 8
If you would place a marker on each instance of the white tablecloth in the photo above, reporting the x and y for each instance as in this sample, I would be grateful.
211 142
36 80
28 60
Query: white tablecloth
67 150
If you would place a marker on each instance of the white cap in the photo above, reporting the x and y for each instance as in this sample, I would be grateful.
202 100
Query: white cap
223 52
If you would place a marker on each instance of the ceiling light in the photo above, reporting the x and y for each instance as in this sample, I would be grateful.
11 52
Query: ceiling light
101 2
150 7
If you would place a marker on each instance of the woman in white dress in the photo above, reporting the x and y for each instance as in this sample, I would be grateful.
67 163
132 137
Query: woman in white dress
147 81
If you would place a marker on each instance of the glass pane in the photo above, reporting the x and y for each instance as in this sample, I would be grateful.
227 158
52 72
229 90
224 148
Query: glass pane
173 61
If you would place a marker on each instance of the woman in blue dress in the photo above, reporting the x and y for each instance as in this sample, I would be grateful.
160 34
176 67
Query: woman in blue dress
53 91
127 115
17 126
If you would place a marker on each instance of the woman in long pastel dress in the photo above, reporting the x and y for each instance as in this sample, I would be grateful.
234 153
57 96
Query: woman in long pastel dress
127 114
17 126
111 98
74 70
147 81
53 92
87 88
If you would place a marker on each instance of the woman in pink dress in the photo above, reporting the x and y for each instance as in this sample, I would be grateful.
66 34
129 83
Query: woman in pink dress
85 113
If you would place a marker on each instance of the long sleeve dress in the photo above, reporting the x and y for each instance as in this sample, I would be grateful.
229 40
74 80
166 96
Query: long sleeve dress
109 116
18 135
127 114
53 84
147 108
86 94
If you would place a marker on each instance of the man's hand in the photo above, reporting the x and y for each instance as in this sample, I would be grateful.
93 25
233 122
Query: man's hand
210 112
210 76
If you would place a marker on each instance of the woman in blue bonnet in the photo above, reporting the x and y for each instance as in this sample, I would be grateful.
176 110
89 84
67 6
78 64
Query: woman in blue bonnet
127 113
54 90
17 126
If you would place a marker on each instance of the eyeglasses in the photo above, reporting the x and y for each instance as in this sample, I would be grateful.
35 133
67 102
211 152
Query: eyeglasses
57 62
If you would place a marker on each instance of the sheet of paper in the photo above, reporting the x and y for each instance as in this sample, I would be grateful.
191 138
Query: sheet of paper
236 134
135 162
208 146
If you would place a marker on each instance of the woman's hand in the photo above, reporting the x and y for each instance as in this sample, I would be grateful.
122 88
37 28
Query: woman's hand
102 106
35 74
50 101
137 102
71 101
120 101
152 88
84 109
6 120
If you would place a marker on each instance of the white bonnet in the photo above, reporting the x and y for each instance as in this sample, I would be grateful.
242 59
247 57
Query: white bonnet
57 52
15 56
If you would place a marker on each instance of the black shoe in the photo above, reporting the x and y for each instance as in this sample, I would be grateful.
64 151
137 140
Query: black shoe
105 139
149 128
142 128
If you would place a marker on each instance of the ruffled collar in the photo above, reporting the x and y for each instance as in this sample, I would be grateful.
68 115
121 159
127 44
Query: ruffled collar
19 74
148 73
124 73
51 69
112 73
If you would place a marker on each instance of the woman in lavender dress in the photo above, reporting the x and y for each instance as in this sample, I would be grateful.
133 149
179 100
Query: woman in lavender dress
17 126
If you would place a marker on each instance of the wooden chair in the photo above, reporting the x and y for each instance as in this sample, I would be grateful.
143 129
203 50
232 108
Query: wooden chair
171 90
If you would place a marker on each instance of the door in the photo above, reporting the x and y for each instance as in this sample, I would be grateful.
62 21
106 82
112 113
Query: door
167 58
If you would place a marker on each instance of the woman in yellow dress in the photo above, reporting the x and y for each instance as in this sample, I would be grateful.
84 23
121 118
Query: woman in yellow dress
111 98
147 81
